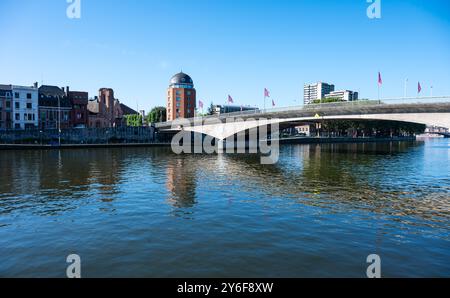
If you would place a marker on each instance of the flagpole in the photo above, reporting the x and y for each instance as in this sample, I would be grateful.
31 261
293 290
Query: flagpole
264 101
380 81
406 88
378 91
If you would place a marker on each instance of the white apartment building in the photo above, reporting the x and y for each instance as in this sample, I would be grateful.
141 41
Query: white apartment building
343 95
316 91
25 107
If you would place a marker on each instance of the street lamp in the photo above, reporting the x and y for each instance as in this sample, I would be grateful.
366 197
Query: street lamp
59 121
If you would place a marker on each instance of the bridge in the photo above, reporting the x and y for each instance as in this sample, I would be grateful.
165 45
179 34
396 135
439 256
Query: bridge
430 111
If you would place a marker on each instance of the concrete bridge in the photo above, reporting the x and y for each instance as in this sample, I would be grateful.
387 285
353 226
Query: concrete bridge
431 111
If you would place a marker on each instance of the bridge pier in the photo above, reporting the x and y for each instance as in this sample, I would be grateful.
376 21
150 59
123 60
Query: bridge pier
220 146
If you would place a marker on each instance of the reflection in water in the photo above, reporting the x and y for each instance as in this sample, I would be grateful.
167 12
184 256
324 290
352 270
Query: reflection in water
228 215
181 182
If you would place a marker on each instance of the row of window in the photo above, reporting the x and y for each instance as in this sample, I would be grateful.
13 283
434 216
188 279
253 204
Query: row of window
17 95
26 117
53 115
29 105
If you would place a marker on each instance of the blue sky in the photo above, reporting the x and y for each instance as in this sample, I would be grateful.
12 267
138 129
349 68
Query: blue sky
235 47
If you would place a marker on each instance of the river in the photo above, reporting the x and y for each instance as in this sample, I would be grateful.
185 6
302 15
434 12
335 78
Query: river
146 212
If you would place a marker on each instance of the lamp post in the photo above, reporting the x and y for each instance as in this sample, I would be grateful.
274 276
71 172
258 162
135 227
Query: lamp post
59 121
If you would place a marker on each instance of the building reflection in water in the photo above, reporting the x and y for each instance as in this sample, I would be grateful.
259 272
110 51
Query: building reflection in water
181 183
51 182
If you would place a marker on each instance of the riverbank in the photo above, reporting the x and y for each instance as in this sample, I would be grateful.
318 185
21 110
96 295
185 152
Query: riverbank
340 140
77 146
286 141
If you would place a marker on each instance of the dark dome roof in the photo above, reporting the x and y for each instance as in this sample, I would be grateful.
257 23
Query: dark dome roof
181 78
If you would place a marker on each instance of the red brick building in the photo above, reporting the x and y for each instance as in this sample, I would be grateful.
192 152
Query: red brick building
181 97
79 113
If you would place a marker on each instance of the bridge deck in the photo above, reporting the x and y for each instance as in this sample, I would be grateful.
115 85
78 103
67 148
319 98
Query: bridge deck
323 110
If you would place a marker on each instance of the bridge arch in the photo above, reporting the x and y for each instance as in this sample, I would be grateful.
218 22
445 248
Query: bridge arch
222 131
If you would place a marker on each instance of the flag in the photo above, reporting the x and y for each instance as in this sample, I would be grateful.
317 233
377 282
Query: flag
200 104
230 99
273 103
266 93
380 80
419 88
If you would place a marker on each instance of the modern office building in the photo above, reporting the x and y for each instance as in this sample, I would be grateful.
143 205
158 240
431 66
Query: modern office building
181 97
25 107
316 91
6 99
343 95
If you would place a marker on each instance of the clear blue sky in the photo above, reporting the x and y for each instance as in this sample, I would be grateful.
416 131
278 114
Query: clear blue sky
227 46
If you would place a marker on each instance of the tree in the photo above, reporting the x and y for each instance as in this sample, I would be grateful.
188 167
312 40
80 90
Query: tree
211 110
327 100
134 120
157 115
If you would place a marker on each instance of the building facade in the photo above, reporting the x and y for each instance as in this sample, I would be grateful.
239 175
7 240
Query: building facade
316 91
55 108
106 111
101 109
181 97
79 114
6 99
25 107
343 95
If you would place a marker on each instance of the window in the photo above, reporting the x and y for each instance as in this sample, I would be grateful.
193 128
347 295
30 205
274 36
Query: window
8 104
16 95
28 95
189 93
178 98
29 105
17 105
17 116
17 126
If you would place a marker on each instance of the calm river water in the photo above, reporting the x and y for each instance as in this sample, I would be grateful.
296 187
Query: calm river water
146 212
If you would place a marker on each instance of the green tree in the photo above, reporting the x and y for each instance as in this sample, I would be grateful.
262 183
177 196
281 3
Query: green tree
210 110
134 120
157 115
327 100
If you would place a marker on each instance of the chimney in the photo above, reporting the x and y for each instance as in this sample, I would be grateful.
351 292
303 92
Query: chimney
67 90
35 84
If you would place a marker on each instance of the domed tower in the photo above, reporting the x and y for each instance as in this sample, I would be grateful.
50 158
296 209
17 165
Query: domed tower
181 97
